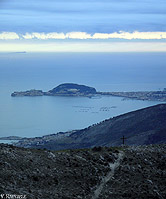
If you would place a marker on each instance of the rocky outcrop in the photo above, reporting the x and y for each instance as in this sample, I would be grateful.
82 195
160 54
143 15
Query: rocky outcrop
98 173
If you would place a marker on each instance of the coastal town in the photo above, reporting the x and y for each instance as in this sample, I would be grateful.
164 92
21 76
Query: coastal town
139 95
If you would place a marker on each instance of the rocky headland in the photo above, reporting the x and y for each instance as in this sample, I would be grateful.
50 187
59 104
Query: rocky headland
70 89
97 173
67 89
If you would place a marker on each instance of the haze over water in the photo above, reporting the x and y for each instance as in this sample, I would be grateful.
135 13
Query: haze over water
37 116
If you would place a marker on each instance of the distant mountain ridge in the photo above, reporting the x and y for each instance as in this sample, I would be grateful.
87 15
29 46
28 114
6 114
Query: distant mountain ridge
141 127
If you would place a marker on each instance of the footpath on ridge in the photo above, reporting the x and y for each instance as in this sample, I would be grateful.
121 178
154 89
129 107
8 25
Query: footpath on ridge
97 173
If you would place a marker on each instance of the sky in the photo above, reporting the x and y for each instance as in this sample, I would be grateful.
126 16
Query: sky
83 25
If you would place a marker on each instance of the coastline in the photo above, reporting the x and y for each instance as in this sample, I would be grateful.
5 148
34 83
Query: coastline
139 95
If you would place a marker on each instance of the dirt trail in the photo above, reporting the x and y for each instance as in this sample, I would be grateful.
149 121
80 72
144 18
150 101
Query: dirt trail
105 179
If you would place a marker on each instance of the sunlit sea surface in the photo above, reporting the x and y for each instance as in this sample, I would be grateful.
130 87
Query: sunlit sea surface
37 116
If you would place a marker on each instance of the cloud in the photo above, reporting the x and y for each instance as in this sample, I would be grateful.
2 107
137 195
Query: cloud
79 35
130 36
44 36
84 35
55 35
8 35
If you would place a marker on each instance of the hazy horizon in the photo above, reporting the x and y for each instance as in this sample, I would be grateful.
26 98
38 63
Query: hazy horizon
83 26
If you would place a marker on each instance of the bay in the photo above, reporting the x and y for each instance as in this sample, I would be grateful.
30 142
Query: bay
37 116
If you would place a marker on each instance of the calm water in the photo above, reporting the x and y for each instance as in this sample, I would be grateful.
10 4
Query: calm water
36 116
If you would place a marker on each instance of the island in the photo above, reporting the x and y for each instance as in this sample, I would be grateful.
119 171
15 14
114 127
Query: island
71 89
66 89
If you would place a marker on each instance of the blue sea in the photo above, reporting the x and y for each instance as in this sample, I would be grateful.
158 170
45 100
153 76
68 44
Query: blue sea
37 116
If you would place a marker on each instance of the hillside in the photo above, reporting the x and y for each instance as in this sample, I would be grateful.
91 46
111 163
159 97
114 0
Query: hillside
98 173
141 127
72 89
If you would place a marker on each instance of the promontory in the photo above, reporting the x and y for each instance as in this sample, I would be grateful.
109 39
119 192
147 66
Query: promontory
71 89
66 89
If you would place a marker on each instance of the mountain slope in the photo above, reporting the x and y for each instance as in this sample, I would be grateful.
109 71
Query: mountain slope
98 173
144 126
